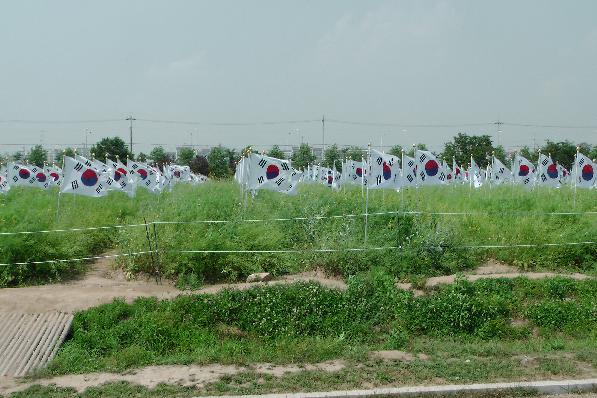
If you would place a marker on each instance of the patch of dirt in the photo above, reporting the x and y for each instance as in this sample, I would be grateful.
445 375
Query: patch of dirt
409 287
182 375
103 283
493 269
395 355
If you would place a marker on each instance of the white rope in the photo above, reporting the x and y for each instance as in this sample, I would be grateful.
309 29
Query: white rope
281 251
340 216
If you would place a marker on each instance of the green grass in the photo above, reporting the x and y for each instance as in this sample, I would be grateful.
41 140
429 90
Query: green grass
306 322
431 244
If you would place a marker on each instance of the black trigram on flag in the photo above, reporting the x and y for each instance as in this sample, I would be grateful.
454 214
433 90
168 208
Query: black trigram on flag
122 184
442 176
581 161
285 166
135 166
88 163
526 181
378 179
379 161
15 167
501 170
15 179
543 178
409 178
99 189
422 158
279 181
31 180
260 179
422 175
74 184
78 167
545 162
262 163
411 163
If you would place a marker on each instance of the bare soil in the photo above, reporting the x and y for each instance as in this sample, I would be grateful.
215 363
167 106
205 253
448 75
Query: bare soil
182 375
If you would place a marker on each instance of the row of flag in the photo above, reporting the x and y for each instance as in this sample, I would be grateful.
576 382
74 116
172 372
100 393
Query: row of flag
381 170
91 177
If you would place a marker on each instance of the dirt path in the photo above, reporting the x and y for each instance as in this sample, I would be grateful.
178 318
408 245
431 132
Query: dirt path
494 269
101 284
183 375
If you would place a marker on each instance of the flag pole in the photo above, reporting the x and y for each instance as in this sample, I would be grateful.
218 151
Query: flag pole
402 182
575 174
367 197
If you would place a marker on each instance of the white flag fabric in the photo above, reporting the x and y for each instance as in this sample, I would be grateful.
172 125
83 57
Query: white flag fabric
264 172
409 171
4 185
353 172
42 177
55 174
384 171
22 175
449 172
524 172
143 175
585 171
475 175
549 174
499 172
179 173
564 175
457 170
430 171
81 178
117 178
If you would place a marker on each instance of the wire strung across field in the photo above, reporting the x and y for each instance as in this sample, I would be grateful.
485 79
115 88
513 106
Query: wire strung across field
340 216
288 251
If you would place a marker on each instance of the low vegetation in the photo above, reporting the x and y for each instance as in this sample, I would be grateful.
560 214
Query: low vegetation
429 244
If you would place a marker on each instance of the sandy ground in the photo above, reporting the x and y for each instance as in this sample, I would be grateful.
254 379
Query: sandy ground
183 375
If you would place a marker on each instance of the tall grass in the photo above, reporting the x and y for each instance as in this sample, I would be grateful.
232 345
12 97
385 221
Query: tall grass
429 244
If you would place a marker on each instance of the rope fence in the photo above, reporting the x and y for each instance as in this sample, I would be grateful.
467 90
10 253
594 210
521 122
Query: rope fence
287 251
311 218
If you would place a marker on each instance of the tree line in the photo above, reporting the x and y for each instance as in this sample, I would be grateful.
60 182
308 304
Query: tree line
221 161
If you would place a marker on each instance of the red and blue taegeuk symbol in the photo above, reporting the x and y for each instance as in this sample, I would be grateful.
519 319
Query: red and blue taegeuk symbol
330 179
41 177
359 172
587 172
272 171
177 173
121 171
552 171
117 175
457 171
431 168
89 178
523 170
142 173
54 176
24 174
387 171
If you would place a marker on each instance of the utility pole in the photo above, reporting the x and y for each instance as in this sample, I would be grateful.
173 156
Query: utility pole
322 136
498 125
130 119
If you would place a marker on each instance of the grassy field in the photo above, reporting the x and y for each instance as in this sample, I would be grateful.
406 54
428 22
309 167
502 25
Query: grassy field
431 244
469 332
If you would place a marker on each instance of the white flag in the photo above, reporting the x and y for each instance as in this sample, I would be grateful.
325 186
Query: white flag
585 171
384 171
22 175
264 172
81 178
430 171
474 174
499 172
55 174
524 172
409 171
548 172
457 170
4 185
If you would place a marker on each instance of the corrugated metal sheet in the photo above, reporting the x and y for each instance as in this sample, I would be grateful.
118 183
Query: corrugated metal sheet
30 341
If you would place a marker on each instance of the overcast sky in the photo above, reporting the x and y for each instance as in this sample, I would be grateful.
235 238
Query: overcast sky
403 62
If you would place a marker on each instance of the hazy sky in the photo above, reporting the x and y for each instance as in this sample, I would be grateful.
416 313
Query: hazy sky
404 62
